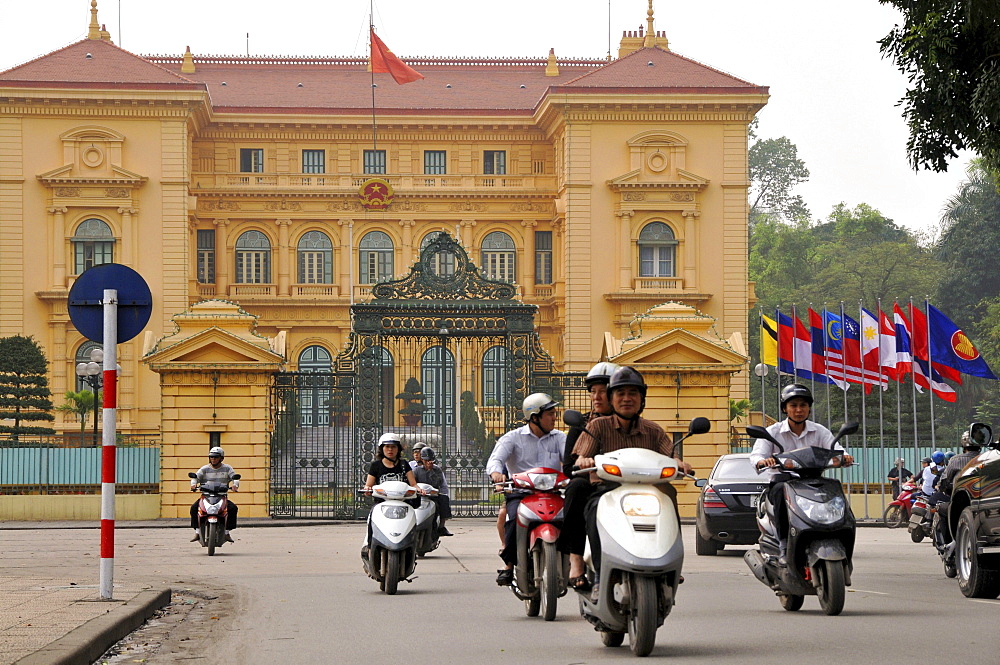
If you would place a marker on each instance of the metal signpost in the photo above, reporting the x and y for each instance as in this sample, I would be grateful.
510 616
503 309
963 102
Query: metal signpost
110 304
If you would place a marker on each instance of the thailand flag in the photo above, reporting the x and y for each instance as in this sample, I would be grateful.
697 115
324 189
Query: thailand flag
904 348
887 346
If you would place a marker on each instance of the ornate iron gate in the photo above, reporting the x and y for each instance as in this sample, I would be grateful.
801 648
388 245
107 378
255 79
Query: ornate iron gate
444 356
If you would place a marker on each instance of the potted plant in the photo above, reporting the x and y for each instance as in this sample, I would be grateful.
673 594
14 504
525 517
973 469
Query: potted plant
413 398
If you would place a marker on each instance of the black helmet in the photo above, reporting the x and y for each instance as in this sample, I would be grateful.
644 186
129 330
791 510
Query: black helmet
626 376
795 390
427 453
600 373
927 460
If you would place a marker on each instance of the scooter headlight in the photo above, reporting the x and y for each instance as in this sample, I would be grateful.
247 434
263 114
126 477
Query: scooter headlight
823 512
640 505
213 508
394 512
543 481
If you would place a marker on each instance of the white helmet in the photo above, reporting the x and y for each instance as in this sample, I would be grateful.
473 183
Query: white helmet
600 373
535 403
217 451
389 438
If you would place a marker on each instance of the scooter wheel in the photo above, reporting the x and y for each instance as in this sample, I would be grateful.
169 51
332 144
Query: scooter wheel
917 534
894 516
791 602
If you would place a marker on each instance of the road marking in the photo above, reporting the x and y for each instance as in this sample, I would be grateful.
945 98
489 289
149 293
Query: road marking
988 602
877 593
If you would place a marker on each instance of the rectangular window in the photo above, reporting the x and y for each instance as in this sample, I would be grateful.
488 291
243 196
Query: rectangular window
494 162
435 162
206 256
543 257
374 161
251 160
376 266
314 161
253 267
90 254
314 267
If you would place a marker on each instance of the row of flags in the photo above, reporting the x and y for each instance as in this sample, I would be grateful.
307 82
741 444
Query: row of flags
874 349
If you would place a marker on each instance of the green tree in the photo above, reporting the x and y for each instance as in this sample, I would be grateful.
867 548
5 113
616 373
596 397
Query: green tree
775 169
949 51
79 404
24 388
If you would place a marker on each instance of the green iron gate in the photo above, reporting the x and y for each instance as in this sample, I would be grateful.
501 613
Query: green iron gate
444 356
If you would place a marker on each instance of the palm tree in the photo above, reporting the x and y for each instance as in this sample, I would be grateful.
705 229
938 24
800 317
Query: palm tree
79 403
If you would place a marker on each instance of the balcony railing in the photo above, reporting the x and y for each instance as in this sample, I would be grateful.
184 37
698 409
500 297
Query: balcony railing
316 290
251 290
352 182
544 290
658 284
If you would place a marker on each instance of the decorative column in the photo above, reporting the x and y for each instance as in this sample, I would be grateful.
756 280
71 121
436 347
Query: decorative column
407 248
690 249
348 276
466 239
129 236
284 277
625 250
528 263
58 247
221 258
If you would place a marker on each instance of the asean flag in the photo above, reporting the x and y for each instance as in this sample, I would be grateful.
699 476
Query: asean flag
953 348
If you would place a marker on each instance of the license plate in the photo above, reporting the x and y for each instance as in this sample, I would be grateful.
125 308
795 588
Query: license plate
754 498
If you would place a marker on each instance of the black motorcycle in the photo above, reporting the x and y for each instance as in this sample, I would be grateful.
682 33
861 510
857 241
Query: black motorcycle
821 529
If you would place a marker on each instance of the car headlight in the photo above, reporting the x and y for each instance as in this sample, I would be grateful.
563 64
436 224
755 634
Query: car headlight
640 505
824 512
394 512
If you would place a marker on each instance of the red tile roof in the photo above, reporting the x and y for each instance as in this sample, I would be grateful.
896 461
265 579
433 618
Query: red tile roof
331 85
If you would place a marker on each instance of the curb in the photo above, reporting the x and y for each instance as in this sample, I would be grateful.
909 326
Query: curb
84 645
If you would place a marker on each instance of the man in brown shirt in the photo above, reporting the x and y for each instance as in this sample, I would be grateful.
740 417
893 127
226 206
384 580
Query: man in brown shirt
625 428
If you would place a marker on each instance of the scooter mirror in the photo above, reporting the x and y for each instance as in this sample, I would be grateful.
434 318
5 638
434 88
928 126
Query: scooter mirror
237 476
981 434
699 425
192 474
573 418
757 432
850 427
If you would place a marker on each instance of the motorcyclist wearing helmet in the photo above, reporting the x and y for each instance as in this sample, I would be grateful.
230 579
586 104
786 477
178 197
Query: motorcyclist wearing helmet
415 451
597 385
795 431
535 444
623 428
430 472
930 475
970 450
388 465
898 471
215 472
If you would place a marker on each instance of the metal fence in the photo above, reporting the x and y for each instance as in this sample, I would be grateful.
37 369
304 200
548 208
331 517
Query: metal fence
61 465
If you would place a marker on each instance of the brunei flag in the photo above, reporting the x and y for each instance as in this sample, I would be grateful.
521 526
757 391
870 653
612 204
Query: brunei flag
768 341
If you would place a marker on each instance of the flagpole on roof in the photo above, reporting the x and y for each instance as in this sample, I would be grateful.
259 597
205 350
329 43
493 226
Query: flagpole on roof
371 68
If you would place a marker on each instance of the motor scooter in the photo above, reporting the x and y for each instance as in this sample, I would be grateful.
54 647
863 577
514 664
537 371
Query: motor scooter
641 548
392 551
541 572
921 516
427 537
897 513
944 542
213 508
821 529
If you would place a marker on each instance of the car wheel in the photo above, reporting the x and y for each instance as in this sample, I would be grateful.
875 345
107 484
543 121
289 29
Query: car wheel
703 547
975 580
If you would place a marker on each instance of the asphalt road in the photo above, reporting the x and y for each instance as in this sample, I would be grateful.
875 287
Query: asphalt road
298 594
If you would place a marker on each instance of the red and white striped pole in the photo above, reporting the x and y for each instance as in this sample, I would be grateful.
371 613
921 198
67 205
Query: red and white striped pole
108 450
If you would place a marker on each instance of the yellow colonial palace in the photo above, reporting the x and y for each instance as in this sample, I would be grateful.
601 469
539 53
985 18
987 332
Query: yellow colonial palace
599 188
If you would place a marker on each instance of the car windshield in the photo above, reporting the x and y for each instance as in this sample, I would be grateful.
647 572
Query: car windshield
735 469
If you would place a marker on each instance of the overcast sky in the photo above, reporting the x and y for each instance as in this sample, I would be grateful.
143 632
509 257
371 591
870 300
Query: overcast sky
832 94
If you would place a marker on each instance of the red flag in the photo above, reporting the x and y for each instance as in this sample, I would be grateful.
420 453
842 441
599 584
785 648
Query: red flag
385 61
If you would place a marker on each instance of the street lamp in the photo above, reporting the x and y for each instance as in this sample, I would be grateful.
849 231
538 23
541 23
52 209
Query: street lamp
92 374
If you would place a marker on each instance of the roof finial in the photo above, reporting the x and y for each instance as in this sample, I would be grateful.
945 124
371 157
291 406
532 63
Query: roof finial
552 68
187 65
94 29
650 33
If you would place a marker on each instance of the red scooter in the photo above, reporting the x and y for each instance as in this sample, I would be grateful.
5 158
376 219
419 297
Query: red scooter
898 512
541 571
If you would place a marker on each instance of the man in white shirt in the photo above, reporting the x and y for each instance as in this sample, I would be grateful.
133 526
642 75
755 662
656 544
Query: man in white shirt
536 444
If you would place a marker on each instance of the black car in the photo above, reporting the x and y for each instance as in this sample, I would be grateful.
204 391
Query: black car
727 505
974 517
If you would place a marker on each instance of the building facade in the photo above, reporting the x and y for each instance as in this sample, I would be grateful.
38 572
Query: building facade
601 188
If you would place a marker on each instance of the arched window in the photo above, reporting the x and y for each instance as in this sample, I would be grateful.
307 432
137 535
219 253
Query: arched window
657 251
253 258
376 257
315 396
438 368
315 259
495 376
442 263
93 245
83 356
498 256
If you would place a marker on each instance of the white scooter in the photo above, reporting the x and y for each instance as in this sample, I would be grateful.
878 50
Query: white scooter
392 552
427 536
641 547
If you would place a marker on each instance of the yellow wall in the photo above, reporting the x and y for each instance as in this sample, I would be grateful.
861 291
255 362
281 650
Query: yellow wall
29 507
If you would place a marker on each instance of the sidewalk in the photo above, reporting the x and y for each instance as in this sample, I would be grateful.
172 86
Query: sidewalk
51 621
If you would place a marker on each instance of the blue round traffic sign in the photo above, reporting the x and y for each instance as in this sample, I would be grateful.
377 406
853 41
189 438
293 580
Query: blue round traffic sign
86 309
